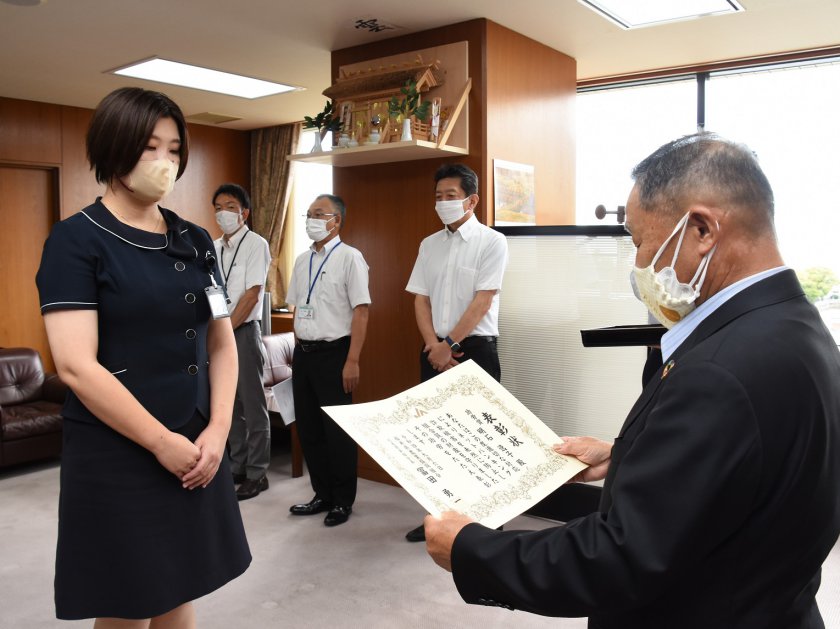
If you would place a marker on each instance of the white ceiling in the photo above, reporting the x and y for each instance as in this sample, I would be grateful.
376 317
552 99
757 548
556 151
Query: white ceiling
60 50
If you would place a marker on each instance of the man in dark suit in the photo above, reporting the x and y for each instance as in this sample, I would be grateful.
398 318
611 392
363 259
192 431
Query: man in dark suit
722 491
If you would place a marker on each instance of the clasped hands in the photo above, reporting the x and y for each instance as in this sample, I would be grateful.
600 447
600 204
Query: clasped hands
440 356
195 464
442 530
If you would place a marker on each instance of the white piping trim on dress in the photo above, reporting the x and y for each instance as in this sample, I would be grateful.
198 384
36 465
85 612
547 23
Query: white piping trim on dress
80 303
166 235
114 373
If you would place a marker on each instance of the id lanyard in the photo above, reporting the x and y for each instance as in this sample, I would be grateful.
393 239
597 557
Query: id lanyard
318 274
235 253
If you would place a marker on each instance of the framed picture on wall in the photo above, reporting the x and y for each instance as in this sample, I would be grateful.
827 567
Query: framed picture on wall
513 193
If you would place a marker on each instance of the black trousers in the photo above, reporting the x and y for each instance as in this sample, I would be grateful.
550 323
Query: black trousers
331 455
481 349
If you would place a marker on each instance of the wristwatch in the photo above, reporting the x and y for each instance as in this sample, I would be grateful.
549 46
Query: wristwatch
455 347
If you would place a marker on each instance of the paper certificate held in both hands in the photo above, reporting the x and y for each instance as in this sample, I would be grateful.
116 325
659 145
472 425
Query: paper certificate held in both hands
461 442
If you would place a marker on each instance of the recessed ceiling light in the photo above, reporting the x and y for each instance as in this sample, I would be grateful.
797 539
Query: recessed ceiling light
175 73
638 14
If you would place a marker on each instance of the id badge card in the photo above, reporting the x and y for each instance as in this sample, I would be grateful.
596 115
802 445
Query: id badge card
218 301
305 312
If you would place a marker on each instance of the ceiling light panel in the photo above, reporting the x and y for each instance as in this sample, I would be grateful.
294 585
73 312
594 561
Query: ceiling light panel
651 12
195 77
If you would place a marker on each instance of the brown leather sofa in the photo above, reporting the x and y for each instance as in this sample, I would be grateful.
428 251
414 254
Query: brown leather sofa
30 408
279 349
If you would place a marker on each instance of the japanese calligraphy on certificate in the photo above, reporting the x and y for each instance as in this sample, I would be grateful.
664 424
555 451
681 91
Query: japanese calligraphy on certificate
461 442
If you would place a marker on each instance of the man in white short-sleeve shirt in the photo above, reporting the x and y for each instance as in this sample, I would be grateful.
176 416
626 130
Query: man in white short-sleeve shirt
456 281
243 257
329 291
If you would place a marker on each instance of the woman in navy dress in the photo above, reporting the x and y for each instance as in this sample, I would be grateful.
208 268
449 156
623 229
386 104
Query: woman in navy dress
148 518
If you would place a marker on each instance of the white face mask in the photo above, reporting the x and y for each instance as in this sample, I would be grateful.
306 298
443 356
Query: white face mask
450 211
316 228
228 221
151 180
668 299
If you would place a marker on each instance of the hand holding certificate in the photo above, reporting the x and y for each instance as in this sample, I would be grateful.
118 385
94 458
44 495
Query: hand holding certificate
461 442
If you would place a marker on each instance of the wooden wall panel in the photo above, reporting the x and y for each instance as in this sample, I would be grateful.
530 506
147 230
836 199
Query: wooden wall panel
29 210
530 119
29 132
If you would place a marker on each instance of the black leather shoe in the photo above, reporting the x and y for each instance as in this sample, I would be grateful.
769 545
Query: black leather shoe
338 515
316 505
238 479
416 535
251 488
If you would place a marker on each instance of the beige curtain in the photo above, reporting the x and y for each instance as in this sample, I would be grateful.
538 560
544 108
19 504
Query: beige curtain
271 196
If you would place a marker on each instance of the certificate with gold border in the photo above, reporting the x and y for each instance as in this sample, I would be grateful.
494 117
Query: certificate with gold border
461 442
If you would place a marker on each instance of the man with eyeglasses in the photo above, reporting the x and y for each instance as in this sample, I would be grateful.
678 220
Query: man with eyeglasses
243 257
329 292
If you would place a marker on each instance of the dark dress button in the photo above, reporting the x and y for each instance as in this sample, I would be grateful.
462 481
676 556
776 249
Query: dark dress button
180 266
189 298
192 369
190 334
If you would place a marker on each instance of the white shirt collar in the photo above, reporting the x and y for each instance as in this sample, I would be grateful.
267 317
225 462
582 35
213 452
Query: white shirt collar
466 230
239 235
327 247
675 337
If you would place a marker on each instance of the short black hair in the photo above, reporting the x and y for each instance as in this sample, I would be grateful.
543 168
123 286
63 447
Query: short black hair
704 167
469 180
236 191
337 203
122 125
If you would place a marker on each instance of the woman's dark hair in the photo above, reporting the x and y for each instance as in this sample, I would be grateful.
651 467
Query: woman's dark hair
122 125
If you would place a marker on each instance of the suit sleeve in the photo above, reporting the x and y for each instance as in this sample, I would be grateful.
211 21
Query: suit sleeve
683 484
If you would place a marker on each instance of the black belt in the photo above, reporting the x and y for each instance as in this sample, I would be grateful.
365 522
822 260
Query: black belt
473 341
318 346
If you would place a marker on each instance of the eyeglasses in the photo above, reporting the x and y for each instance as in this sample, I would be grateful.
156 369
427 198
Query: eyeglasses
319 216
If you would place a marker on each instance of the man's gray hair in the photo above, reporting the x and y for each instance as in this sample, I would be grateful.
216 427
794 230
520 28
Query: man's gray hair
704 168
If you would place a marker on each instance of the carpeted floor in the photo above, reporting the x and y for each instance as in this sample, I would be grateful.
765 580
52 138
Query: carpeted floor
362 574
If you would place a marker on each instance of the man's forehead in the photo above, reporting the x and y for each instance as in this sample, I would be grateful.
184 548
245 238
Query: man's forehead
226 199
321 204
449 184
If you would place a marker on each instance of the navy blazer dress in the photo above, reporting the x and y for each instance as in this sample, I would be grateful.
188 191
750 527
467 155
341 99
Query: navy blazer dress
132 542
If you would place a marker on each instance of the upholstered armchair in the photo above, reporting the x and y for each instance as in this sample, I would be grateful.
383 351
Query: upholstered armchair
30 407
279 349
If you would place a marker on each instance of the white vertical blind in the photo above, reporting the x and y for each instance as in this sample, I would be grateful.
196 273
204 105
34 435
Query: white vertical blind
554 287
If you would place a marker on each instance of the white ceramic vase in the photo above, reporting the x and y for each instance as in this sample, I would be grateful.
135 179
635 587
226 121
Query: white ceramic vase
406 130
316 147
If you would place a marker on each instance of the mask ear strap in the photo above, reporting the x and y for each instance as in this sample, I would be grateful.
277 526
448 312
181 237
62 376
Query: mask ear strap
704 266
681 224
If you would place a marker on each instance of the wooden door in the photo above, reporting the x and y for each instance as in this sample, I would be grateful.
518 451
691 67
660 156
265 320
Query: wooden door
27 209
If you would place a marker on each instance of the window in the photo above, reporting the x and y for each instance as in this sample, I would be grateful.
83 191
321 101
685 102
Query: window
310 181
785 113
616 128
789 117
